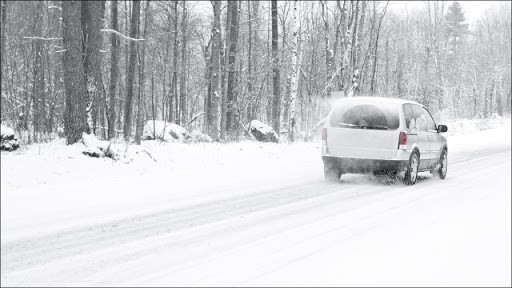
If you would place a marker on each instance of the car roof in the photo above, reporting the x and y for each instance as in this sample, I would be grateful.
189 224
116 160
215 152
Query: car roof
376 99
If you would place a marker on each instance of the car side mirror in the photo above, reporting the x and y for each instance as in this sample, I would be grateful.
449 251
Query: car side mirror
442 128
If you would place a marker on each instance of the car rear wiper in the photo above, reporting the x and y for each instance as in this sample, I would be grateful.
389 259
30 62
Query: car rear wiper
379 127
363 126
348 125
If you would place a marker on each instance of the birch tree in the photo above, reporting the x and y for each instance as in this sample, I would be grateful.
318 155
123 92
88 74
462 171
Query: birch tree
276 103
295 67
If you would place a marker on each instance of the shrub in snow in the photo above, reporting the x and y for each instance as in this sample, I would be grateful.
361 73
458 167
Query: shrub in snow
262 132
197 136
307 136
99 148
165 131
8 139
60 132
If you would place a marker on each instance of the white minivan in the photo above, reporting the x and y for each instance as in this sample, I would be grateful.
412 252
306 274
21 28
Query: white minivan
382 135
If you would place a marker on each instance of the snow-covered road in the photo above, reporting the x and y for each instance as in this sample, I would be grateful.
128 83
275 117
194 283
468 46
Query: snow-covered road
255 215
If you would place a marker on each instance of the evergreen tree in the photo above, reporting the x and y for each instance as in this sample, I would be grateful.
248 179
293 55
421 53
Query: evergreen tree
456 28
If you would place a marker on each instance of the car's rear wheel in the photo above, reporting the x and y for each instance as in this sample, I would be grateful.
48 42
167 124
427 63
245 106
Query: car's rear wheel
332 174
443 164
411 174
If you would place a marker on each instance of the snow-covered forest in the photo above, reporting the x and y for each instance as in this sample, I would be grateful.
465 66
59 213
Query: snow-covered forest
108 67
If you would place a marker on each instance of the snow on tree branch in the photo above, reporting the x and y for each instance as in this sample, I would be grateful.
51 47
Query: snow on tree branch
42 38
117 33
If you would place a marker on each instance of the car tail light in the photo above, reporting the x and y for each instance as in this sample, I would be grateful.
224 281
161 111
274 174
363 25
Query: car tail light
402 140
324 134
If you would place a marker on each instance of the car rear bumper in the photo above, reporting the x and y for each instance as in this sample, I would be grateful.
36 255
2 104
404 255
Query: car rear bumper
358 165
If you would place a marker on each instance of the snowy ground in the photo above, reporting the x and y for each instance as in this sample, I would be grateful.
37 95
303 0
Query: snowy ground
254 214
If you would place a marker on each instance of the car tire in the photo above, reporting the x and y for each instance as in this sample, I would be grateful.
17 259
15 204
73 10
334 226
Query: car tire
331 174
411 174
443 164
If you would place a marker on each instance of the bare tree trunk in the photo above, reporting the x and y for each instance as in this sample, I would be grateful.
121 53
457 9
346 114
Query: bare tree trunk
485 100
208 96
225 73
355 49
386 75
166 98
337 21
75 119
375 57
183 80
343 44
491 97
328 54
216 91
309 90
111 119
269 97
509 96
38 92
254 99
276 105
3 64
3 28
92 15
348 57
153 101
287 97
364 66
134 28
174 82
231 93
123 88
499 95
295 67
250 105
475 97
141 98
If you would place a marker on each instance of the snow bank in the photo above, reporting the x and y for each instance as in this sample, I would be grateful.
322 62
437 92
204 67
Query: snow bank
463 126
198 136
100 148
6 132
165 131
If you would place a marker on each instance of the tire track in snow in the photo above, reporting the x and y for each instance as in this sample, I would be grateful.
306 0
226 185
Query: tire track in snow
35 251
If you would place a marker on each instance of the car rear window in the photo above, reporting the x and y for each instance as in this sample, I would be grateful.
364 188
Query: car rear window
357 115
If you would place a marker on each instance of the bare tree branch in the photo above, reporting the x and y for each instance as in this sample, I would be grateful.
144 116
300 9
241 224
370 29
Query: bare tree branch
117 33
42 38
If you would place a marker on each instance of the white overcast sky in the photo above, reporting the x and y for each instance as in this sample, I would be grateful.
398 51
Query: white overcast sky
472 9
